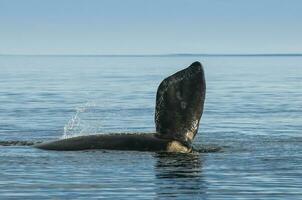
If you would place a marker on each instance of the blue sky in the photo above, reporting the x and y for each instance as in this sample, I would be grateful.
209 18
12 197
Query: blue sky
150 26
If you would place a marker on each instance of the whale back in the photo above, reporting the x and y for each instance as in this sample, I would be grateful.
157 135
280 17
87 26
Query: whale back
179 104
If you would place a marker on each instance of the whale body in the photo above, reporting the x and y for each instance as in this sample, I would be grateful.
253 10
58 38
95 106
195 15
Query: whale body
179 107
128 142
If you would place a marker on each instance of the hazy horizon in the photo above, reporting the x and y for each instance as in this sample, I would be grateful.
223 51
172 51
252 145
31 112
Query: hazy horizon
134 27
161 55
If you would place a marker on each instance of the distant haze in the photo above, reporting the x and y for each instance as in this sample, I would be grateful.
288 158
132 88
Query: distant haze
150 26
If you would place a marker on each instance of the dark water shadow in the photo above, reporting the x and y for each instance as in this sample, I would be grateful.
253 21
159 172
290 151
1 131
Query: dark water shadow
179 176
19 143
209 148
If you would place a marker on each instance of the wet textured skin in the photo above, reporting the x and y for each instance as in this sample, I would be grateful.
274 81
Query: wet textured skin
179 106
128 142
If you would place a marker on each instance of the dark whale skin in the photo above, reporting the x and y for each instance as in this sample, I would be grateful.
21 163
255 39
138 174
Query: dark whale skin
125 142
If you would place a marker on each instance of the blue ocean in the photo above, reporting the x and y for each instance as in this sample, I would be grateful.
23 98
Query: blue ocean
252 114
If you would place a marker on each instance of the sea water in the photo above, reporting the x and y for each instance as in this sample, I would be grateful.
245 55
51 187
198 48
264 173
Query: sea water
253 111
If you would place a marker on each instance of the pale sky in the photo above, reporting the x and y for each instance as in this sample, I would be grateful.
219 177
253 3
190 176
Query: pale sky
150 26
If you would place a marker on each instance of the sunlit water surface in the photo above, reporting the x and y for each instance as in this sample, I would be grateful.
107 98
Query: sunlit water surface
253 111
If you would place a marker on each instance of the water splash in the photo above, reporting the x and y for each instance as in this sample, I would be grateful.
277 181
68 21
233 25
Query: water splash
76 126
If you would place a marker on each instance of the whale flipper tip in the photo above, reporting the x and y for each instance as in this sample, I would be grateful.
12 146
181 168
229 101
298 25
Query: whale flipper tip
196 63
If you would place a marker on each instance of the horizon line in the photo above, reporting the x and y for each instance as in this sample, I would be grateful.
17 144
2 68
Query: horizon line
161 55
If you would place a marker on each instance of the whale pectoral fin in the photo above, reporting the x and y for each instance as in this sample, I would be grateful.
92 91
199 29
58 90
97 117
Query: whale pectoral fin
179 104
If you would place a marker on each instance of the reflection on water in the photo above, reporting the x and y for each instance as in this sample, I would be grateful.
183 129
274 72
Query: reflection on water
252 119
179 175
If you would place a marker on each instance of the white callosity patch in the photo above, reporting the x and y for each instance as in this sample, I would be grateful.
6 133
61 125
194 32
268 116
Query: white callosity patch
176 146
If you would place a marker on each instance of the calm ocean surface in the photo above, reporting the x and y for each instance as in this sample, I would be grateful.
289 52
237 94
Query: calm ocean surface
253 111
